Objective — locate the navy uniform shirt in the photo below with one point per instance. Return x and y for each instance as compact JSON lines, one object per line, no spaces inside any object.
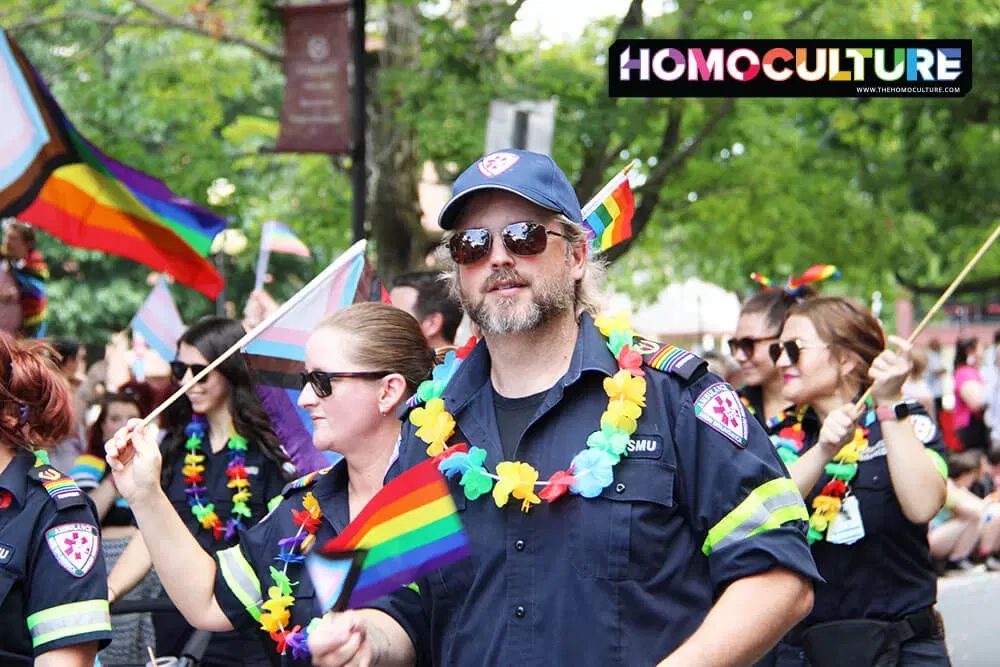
{"x":243,"y":574}
{"x":53,"y":583}
{"x":888,"y":573}
{"x":753,"y":399}
{"x":621,"y":579}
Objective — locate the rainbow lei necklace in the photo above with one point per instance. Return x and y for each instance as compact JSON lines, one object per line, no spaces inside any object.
{"x":278,"y":606}
{"x":842,"y":469}
{"x":194,"y":478}
{"x":590,"y":471}
{"x":790,"y":438}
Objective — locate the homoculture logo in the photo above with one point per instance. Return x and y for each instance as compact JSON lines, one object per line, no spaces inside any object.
{"x":790,"y":68}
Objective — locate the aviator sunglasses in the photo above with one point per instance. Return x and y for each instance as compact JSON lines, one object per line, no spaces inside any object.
{"x":793,"y":348}
{"x":520,"y":238}
{"x":321,"y":380}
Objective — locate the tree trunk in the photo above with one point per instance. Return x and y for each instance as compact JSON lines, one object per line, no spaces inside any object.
{"x":394,"y":211}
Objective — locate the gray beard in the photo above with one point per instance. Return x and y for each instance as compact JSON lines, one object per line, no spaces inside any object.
{"x":553,"y":297}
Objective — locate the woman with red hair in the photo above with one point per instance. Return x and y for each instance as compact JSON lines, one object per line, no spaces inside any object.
{"x":53,"y":586}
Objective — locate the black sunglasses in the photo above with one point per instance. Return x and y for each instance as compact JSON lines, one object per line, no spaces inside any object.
{"x":179,"y":368}
{"x":747,"y":345}
{"x":520,"y":238}
{"x":320,"y":380}
{"x":793,"y":348}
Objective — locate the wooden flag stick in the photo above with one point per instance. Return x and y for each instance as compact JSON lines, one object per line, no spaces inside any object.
{"x":944,"y":297}
{"x":259,"y":329}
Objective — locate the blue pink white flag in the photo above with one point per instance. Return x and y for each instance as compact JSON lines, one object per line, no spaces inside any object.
{"x":277,"y":355}
{"x":159,"y":322}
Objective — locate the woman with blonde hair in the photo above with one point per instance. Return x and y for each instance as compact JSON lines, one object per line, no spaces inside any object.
{"x":874,"y":478}
{"x":363,"y":363}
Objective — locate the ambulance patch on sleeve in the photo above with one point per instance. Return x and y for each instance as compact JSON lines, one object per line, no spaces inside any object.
{"x":75,"y":547}
{"x":720,"y":408}
{"x":924,"y":428}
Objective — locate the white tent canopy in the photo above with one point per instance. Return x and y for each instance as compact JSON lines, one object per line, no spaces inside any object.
{"x":691,"y":308}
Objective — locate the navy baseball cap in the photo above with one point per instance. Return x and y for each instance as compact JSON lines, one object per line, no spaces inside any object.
{"x":534,"y":176}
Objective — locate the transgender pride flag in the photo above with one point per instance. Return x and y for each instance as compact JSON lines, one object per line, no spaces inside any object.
{"x":159,"y":322}
{"x":277,"y":355}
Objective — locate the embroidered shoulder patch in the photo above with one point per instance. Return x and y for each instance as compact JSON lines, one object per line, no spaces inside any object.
{"x":720,"y":408}
{"x":924,"y":428}
{"x":75,"y":547}
{"x":670,"y":359}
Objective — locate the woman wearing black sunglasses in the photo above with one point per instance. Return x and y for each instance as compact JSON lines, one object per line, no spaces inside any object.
{"x":362,"y":362}
{"x":873,"y":478}
{"x":221,"y":464}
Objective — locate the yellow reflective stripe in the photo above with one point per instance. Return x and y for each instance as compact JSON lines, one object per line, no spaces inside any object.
{"x":69,"y":620}
{"x":241,"y":579}
{"x":939,"y":462}
{"x":769,"y":506}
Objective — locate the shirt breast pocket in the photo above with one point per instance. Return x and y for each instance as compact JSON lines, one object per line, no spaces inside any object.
{"x":622,"y":534}
{"x":452,"y":582}
{"x":7,"y":580}
{"x":876,"y":497}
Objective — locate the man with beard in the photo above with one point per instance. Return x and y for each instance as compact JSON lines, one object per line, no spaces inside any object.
{"x":649,"y":517}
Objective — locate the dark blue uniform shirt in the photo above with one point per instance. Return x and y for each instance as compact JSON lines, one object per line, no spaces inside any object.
{"x":266,"y":481}
{"x":243,"y":574}
{"x":621,"y":579}
{"x":53,"y":584}
{"x":888,"y":573}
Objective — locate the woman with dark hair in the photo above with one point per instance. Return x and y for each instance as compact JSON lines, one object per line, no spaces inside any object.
{"x":53,"y":590}
{"x":874,"y":478}
{"x":221,"y":465}
{"x":970,"y":397}
{"x":134,"y":400}
{"x":760,"y":323}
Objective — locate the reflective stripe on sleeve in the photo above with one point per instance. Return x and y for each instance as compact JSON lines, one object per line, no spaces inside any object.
{"x":939,"y":462}
{"x":769,"y":506}
{"x":241,"y":579}
{"x":69,"y":620}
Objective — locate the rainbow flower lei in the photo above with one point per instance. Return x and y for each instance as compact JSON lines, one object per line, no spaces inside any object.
{"x":790,"y":438}
{"x":590,"y":471}
{"x":842,"y":470}
{"x":193,"y":472}
{"x":277,"y":613}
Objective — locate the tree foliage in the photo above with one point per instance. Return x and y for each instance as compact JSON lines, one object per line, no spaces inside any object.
{"x":886,"y":189}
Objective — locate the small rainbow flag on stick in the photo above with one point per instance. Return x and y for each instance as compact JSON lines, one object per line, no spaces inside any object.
{"x":277,"y":237}
{"x":608,"y":216}
{"x":409,"y":529}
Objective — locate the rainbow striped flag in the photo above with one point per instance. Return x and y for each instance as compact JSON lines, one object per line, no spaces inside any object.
{"x":608,"y":216}
{"x":278,"y":354}
{"x":277,"y":237}
{"x":53,"y":178}
{"x":409,"y":529}
{"x":159,"y":322}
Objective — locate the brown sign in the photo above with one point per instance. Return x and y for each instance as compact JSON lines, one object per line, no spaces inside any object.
{"x":315,"y":117}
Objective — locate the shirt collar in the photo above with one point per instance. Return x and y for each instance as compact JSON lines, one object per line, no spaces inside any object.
{"x":15,"y":477}
{"x":591,"y":353}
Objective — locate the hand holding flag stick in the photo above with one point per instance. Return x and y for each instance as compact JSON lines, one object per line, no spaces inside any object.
{"x":944,"y":297}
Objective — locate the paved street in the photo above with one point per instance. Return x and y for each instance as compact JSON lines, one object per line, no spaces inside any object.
{"x":971,"y":609}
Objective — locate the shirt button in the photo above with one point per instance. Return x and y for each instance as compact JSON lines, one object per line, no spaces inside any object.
{"x":619,"y":487}
{"x":519,"y":611}
{"x":875,"y":478}
{"x":519,"y":545}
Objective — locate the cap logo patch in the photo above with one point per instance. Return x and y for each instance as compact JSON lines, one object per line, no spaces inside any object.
{"x":495,"y":164}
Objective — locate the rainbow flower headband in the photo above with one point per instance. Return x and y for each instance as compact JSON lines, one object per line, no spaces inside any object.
{"x":589,"y":472}
{"x":814,"y":274}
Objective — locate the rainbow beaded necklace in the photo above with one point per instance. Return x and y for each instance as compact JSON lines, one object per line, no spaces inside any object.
{"x":194,"y":478}
{"x":589,"y":472}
